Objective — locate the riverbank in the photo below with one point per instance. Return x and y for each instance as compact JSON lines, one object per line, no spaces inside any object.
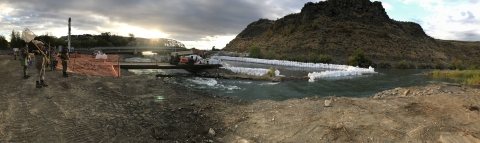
{"x":141,"y":108}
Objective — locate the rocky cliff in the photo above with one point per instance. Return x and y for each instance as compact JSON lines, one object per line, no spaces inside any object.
{"x":339,"y":27}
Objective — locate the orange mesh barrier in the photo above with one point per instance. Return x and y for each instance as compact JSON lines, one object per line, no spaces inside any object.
{"x":87,"y":64}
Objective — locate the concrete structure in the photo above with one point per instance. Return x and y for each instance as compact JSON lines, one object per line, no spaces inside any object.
{"x":136,"y":50}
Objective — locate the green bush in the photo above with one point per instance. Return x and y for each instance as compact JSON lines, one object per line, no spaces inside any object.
{"x":300,"y":58}
{"x":402,"y":64}
{"x":473,"y":67}
{"x":283,"y":57}
{"x":439,"y":66}
{"x":271,"y":72}
{"x":270,"y":55}
{"x":358,"y":59}
{"x":313,"y":58}
{"x":456,"y":64}
{"x":424,"y":66}
{"x":255,"y":52}
{"x":324,"y":59}
{"x":384,"y":64}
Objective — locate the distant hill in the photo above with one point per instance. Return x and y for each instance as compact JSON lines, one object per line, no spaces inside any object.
{"x":339,"y":27}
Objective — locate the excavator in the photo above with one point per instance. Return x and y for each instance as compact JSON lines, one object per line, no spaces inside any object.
{"x":182,"y":57}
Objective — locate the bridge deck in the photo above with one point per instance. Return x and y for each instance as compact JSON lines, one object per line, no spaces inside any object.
{"x":127,"y":65}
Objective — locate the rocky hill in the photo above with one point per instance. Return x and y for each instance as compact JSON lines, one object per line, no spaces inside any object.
{"x":339,"y":27}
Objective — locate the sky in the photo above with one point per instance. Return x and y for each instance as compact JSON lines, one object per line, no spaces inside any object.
{"x":206,"y":23}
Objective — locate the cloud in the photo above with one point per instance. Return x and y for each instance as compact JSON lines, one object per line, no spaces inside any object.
{"x":451,"y":19}
{"x":387,"y":6}
{"x":183,"y":20}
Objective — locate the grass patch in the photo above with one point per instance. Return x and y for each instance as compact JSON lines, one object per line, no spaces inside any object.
{"x":472,"y":76}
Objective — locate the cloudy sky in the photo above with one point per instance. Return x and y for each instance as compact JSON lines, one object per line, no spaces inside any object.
{"x":206,"y":23}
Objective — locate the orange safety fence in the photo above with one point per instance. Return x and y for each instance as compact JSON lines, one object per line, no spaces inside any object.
{"x":87,"y":64}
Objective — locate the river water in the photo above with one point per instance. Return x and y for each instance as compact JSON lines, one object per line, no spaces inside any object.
{"x":350,"y":86}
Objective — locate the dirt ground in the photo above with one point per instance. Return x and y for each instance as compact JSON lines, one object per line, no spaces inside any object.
{"x":84,"y":108}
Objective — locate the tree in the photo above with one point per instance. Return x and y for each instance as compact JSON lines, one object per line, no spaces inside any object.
{"x":16,"y":41}
{"x":213,"y":48}
{"x":105,"y":36}
{"x":131,"y":37}
{"x":358,"y":59}
{"x":4,"y":43}
{"x":255,"y":52}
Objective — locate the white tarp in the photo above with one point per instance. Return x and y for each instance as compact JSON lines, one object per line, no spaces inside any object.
{"x":101,"y":56}
{"x":349,"y":72}
{"x":338,"y":70}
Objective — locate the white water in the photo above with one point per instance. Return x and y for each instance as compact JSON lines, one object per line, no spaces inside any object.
{"x":211,"y":83}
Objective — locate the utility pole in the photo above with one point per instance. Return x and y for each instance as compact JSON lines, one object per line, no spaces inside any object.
{"x":69,"y":29}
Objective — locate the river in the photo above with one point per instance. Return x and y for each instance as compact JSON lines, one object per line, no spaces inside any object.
{"x":350,"y":86}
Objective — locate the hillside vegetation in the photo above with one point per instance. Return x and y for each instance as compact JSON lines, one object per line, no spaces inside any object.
{"x":338,"y":28}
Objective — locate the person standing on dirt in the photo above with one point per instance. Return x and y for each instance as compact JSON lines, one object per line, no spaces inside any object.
{"x":25,"y":58}
{"x":53,"y":58}
{"x":40,"y":61}
{"x":65,"y":58}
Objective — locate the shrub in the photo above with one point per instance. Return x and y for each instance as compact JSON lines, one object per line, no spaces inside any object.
{"x":384,"y":64}
{"x":456,"y":64}
{"x":313,"y":58}
{"x":271,"y":72}
{"x":324,"y":59}
{"x":300,"y":58}
{"x":424,"y":66}
{"x":255,"y":52}
{"x":473,"y":67}
{"x":402,"y":64}
{"x":439,"y":66}
{"x":359,"y":59}
{"x":270,"y":55}
{"x":283,"y":57}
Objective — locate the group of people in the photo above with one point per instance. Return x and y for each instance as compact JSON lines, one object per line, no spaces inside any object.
{"x":42,"y":59}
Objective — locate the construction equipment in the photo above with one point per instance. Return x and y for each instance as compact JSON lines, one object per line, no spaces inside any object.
{"x":182,"y":56}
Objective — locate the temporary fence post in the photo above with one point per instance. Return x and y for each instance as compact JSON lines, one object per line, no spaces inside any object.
{"x":73,"y":68}
{"x":118,"y":62}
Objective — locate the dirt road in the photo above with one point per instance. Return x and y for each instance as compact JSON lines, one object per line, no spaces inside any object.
{"x":85,"y":108}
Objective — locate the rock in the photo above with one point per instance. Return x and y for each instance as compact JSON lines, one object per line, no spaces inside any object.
{"x":211,"y":132}
{"x":100,"y":88}
{"x":406,"y":92}
{"x":328,"y":103}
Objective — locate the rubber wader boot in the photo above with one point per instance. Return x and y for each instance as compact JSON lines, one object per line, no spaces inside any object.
{"x":25,"y":76}
{"x":65,"y":74}
{"x":38,"y":84}
{"x":43,"y":83}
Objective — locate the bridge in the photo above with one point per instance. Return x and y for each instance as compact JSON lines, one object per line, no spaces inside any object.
{"x":135,"y":50}
{"x":160,"y":46}
{"x":152,"y":65}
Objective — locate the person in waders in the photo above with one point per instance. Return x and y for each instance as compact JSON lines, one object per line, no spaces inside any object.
{"x":65,"y":58}
{"x":25,"y":58}
{"x":40,"y":61}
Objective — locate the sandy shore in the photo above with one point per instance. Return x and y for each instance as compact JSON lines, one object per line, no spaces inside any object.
{"x":84,"y":108}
